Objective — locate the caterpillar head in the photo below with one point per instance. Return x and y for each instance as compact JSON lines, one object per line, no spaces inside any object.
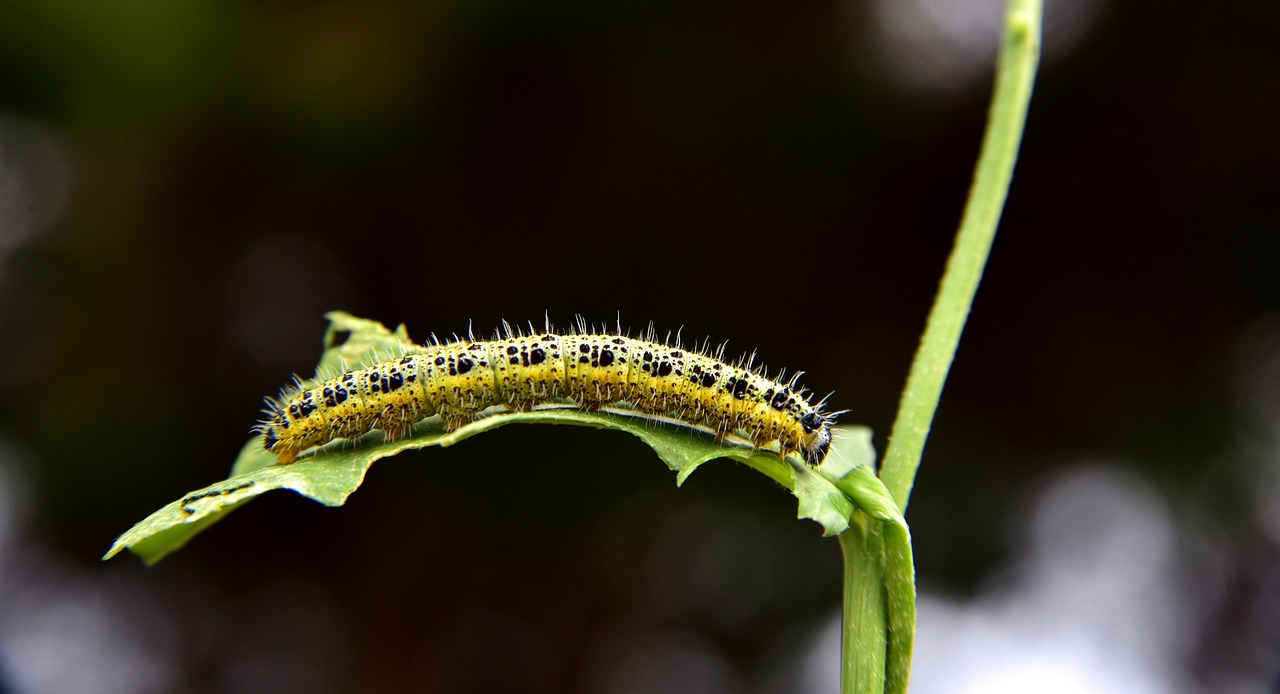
{"x":816,"y":441}
{"x":285,"y":452}
{"x":269,"y":437}
{"x":272,"y":423}
{"x":274,"y":427}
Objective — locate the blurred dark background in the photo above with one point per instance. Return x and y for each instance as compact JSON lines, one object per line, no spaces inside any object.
{"x":185,"y":189}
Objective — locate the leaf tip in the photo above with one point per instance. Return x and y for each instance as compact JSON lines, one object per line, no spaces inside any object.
{"x":683,"y":474}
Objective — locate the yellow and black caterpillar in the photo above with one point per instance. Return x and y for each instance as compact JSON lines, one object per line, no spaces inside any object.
{"x":460,"y":379}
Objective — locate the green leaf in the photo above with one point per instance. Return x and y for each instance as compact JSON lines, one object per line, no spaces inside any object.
{"x":333,"y":472}
{"x":366,"y":343}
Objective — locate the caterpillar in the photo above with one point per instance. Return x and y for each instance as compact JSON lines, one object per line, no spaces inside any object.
{"x":457,"y":380}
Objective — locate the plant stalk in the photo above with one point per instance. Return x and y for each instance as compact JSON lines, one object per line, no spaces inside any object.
{"x":864,"y":639}
{"x":871,"y":603}
{"x":1015,"y":75}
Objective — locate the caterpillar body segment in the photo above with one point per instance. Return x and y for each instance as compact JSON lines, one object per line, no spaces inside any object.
{"x":458,"y":380}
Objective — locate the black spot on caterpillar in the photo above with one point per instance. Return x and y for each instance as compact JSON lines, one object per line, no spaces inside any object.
{"x":460,"y":379}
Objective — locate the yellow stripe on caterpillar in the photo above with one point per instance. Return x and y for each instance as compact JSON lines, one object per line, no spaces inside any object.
{"x":458,"y":380}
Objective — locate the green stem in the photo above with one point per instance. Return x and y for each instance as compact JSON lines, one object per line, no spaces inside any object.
{"x":879,"y":578}
{"x":877,"y":554}
{"x":1015,"y":73}
{"x":864,"y":638}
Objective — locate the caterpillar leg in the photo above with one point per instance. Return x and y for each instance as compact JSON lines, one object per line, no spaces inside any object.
{"x":784,"y":450}
{"x":722,"y":430}
{"x":397,"y":432}
{"x":456,"y":420}
{"x":396,"y":421}
{"x":284,"y":453}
